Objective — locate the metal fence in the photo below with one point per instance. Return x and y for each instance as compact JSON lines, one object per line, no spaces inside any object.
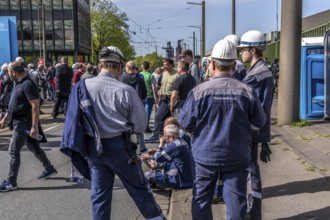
{"x":273,"y":49}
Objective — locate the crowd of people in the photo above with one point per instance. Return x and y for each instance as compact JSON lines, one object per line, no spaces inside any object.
{"x":208,"y":125}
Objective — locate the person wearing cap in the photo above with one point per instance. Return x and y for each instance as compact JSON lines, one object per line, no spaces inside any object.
{"x":63,"y":76}
{"x":74,"y":67}
{"x":252,"y":45}
{"x":109,"y":110}
{"x":193,"y":68}
{"x":21,"y":60}
{"x":31,"y":69}
{"x":228,"y":109}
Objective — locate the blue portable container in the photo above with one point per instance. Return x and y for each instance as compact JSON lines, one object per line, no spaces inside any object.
{"x":312,"y":79}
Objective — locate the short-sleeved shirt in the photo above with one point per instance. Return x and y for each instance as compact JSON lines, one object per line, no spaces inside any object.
{"x":76,"y":77}
{"x":19,"y":105}
{"x":183,"y":85}
{"x":167,"y":82}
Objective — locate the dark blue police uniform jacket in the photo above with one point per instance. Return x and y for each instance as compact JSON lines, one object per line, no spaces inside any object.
{"x":220,"y":113}
{"x":261,"y":79}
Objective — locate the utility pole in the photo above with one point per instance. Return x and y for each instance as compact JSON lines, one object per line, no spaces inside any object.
{"x":233,"y":17}
{"x":276,"y":38}
{"x":203,"y":30}
{"x":194,"y":46}
{"x":202,"y":46}
{"x":289,"y":82}
{"x":44,"y":34}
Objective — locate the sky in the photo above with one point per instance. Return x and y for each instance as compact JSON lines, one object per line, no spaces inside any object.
{"x":155,"y":22}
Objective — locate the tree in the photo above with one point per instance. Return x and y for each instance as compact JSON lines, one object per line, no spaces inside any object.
{"x":109,"y":27}
{"x":153,"y":58}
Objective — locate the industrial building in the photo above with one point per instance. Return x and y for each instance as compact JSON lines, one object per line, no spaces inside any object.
{"x":58,"y":27}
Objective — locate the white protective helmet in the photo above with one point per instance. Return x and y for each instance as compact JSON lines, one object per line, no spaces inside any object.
{"x":253,"y":39}
{"x":233,"y":38}
{"x":30,"y":66}
{"x":4,"y":67}
{"x":111,"y":53}
{"x":224,"y":53}
{"x":19,"y":59}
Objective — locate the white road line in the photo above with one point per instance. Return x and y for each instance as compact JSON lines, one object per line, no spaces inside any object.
{"x":50,"y":128}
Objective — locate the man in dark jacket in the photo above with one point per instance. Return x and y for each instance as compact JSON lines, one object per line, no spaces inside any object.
{"x":134,"y":79}
{"x":63,"y":77}
{"x":227,"y":108}
{"x":252,"y":45}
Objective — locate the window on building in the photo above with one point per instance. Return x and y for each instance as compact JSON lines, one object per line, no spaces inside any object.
{"x":68,"y":24}
{"x":14,"y":5}
{"x":4,"y":5}
{"x":67,"y":4}
{"x":58,"y":25}
{"x":27,"y":30}
{"x":25,"y":4}
{"x":27,"y":44}
{"x":57,"y":4}
{"x":36,"y":4}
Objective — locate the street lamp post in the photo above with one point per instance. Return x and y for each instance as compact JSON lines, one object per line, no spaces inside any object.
{"x":194,"y":45}
{"x":200,"y":37}
{"x":203,"y":26}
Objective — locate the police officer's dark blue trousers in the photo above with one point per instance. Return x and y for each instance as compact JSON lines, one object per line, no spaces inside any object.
{"x":103,"y":170}
{"x":234,"y":192}
{"x":255,"y":211}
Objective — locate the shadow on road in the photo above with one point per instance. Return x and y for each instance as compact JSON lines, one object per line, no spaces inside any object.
{"x":323,"y":213}
{"x":293,"y":188}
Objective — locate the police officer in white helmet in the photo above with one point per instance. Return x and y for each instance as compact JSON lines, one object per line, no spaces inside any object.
{"x":239,"y":71}
{"x":252,"y":45}
{"x":228,"y":108}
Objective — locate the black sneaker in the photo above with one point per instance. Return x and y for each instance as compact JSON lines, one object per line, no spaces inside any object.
{"x":48,"y":173}
{"x":152,"y":139}
{"x":7,"y":186}
{"x":148,"y":130}
{"x":218,"y":200}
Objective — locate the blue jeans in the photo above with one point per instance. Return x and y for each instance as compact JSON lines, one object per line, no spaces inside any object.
{"x":234,"y":192}
{"x":103,"y":170}
{"x":148,"y":104}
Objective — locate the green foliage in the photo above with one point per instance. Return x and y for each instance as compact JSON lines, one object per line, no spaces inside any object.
{"x":300,"y":123}
{"x":153,"y":58}
{"x":109,"y":28}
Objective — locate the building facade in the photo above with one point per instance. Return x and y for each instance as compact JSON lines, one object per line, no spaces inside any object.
{"x":64,"y":24}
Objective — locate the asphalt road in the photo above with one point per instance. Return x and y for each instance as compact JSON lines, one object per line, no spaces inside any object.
{"x":53,"y":198}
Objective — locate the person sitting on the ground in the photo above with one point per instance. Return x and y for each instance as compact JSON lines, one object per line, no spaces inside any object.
{"x":183,"y":134}
{"x":174,"y":158}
